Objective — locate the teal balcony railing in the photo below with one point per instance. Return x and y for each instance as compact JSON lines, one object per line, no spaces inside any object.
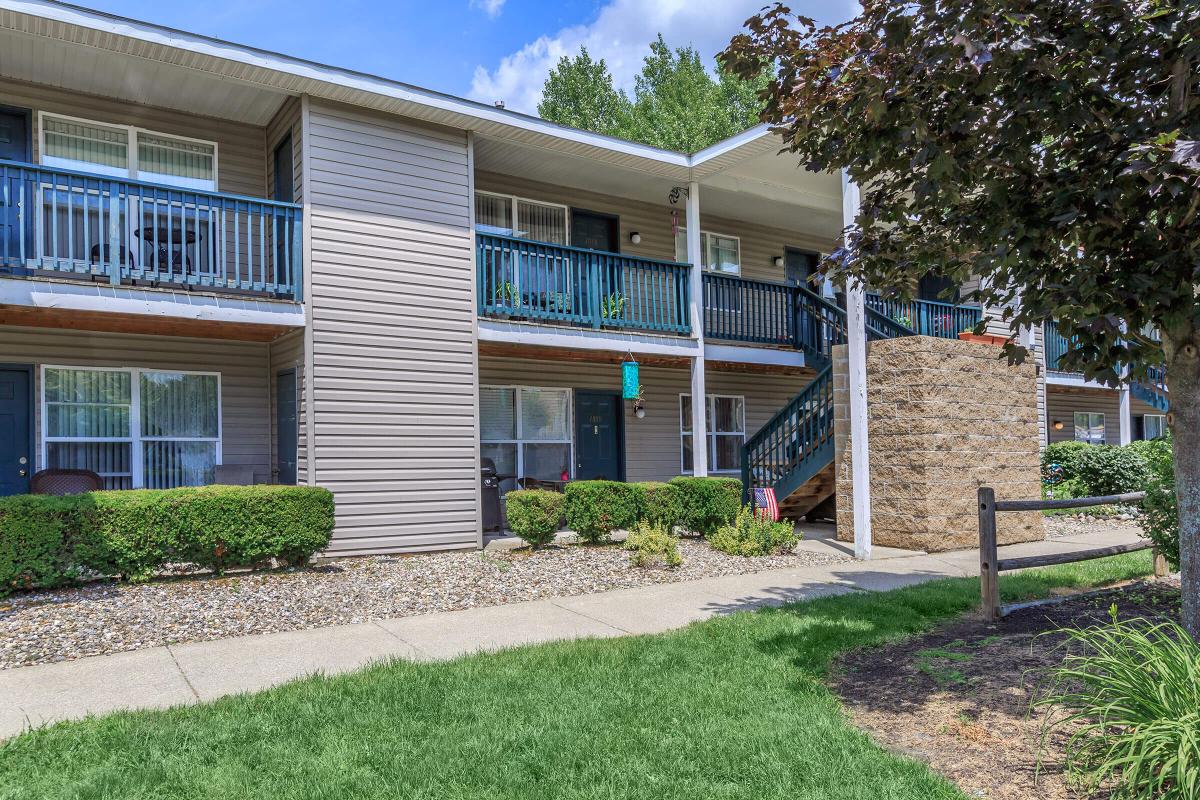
{"x":523,"y":279}
{"x":927,"y":317}
{"x":1055,"y":344}
{"x":740,"y":310}
{"x":74,"y":224}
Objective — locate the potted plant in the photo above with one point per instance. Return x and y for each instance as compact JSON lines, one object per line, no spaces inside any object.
{"x":507,"y":297}
{"x":969,"y":335}
{"x":612,"y":307}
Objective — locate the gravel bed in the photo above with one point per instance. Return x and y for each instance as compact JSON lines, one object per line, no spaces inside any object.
{"x":1059,"y":526}
{"x":49,"y":626}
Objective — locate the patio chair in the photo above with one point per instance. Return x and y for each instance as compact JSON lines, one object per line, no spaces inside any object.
{"x":65,"y":481}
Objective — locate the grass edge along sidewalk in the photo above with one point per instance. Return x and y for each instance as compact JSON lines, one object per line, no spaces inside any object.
{"x":731,"y":707}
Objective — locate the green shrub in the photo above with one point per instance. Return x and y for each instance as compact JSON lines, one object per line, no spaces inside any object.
{"x":594,"y":509}
{"x":754,"y":535}
{"x":534,"y":514}
{"x":1131,"y":691}
{"x":38,"y":539}
{"x":660,"y":504}
{"x":1066,"y":455}
{"x":652,"y":544}
{"x":51,"y":541}
{"x":708,"y":503}
{"x":1160,"y":517}
{"x":1107,"y":469}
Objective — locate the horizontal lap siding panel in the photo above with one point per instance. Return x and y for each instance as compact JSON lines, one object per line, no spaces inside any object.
{"x":1061,"y":406}
{"x":392,"y":315}
{"x":652,"y":444}
{"x":244,"y":367}
{"x":241,"y":157}
{"x":760,"y":244}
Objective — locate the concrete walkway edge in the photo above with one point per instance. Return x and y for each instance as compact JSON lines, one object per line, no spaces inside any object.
{"x":181,"y":674}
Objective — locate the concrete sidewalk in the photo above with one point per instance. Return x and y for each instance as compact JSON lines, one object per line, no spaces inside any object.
{"x":188,"y":673}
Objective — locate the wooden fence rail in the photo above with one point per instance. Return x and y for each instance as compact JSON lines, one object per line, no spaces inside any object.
{"x":990,"y":563}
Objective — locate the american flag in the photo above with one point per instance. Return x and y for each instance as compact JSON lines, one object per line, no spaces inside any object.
{"x":765,"y":505}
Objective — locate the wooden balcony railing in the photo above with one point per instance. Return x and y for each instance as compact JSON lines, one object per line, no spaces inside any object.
{"x":523,"y":279}
{"x":927,"y":317}
{"x":75,"y":224}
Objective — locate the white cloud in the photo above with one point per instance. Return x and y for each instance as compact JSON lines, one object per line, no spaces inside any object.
{"x":490,"y":7}
{"x":620,"y":35}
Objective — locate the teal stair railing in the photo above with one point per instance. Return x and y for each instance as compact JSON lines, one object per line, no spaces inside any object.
{"x":795,"y":444}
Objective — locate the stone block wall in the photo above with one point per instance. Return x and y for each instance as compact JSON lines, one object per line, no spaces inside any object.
{"x":944,"y":418}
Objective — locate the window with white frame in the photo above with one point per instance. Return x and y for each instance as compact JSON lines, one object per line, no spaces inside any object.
{"x":1089,"y":427}
{"x":136,"y":428}
{"x":526,"y":431}
{"x":718,"y":252}
{"x":540,"y":222}
{"x":129,"y":152}
{"x":1154,"y":426}
{"x":725,"y":417}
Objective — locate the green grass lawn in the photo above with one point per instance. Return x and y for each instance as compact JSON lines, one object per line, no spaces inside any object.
{"x":729,"y":708}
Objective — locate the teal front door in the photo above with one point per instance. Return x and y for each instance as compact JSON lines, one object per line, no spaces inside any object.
{"x":16,"y":430}
{"x":599,"y":436}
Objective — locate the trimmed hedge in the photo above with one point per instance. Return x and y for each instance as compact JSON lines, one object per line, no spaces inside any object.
{"x":534,"y":514}
{"x":597,"y":508}
{"x":1110,"y":469}
{"x":50,"y":541}
{"x":708,"y":503}
{"x":660,"y":504}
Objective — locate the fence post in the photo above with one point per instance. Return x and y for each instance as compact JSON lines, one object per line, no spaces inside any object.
{"x":989,"y":575}
{"x":1161,"y":568}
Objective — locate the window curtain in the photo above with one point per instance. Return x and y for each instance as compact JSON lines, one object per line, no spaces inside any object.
{"x":542,"y":223}
{"x":164,"y":159}
{"x":493,"y":214}
{"x":78,"y":145}
{"x":179,"y":429}
{"x":88,"y":423}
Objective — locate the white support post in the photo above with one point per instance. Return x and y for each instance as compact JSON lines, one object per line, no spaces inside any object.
{"x":856,"y":337}
{"x":1126,"y":416}
{"x":699,"y":395}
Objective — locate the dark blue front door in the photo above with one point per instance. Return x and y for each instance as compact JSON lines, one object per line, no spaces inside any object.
{"x":285,"y":427}
{"x":16,"y":241}
{"x":16,"y":446}
{"x":599,"y":436}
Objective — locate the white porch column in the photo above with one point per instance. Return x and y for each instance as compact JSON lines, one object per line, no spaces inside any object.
{"x":856,"y":336}
{"x":699,"y":395}
{"x":1126,"y":416}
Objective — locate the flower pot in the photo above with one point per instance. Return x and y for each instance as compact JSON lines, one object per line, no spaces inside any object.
{"x":984,"y":338}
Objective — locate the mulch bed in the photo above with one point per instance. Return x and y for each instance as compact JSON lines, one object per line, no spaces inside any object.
{"x":958,"y":698}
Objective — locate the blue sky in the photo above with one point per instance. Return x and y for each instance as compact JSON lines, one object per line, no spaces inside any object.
{"x":484,"y":49}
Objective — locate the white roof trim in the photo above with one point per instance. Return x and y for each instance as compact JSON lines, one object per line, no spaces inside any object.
{"x":348,"y":79}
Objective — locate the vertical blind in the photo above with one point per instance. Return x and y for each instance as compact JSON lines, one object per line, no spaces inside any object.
{"x":163,"y":159}
{"x":526,"y":431}
{"x":174,"y":440}
{"x":540,"y":222}
{"x":106,"y":149}
{"x":80,"y":145}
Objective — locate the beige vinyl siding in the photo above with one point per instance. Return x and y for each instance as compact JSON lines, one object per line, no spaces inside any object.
{"x":392,"y":314}
{"x":287,"y":352}
{"x":652,"y":444}
{"x":1061,"y":405}
{"x":245,"y":395}
{"x":285,"y":122}
{"x":759,"y":244}
{"x":241,"y":166}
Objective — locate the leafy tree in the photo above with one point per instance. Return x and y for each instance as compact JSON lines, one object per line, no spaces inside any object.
{"x":677,"y":104}
{"x":1050,"y":146}
{"x":579,"y":92}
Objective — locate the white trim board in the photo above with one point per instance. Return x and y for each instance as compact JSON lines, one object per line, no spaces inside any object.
{"x":162,"y":303}
{"x":750,"y":354}
{"x":585,"y":339}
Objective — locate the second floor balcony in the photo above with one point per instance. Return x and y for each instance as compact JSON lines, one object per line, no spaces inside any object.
{"x":521,"y":279}
{"x":80,"y":226}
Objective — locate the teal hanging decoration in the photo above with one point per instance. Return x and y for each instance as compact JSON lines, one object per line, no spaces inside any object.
{"x":630,"y":386}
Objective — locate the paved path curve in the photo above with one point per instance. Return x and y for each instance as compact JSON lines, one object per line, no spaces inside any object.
{"x":188,"y":673}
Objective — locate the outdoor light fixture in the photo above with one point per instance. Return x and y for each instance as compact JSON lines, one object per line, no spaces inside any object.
{"x":778,"y":261}
{"x":639,"y":409}
{"x":635,"y":238}
{"x":1058,"y":425}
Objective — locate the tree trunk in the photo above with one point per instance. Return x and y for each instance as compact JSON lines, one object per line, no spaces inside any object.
{"x":1183,"y":381}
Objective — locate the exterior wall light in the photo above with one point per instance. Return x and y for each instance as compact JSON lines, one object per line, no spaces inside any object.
{"x":777,"y":261}
{"x":635,"y":238}
{"x":1058,"y":426}
{"x":639,"y":409}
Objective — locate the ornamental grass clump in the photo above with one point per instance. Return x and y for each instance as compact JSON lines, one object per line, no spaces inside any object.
{"x":1131,"y":694}
{"x":652,"y":545}
{"x":754,"y":535}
